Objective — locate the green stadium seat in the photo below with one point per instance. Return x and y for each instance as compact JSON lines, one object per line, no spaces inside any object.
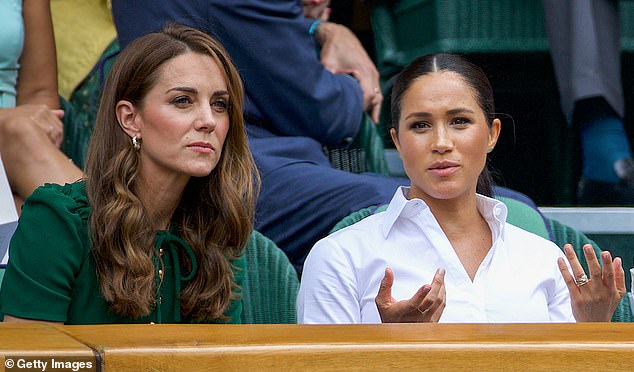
{"x":366,"y":153}
{"x":269,"y":289}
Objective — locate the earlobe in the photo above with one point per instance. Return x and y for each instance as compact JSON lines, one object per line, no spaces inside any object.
{"x":126,"y":116}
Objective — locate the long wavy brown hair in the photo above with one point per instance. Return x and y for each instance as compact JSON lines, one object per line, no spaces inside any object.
{"x":215,"y":214}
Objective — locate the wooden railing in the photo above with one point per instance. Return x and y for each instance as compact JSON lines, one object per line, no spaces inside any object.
{"x":166,"y":347}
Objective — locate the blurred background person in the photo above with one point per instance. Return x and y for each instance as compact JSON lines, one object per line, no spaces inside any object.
{"x":584,"y":38}
{"x":31,"y":128}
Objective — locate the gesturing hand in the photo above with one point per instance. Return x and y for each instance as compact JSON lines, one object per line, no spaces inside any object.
{"x":426,"y":305}
{"x":594,"y":299}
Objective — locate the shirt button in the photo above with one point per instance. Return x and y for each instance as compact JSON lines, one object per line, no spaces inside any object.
{"x":161,"y":274}
{"x":161,"y":251}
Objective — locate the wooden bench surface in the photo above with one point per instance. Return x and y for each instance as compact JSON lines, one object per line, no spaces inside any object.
{"x":588,"y":346}
{"x":37,"y":339}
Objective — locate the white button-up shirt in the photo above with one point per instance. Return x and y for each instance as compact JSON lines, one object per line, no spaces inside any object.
{"x":518,"y":280}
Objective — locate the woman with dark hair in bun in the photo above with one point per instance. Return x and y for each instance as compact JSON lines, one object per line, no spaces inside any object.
{"x":446,"y":230}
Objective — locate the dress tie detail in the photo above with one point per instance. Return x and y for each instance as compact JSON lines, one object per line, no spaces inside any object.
{"x":172,"y":243}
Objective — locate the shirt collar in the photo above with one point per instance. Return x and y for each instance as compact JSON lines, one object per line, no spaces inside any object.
{"x":493,"y":211}
{"x":400,"y":206}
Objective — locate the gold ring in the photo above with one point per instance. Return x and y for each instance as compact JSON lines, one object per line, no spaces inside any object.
{"x":422,"y":312}
{"x":582,"y":280}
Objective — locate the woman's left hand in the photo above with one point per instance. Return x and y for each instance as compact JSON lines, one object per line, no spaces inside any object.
{"x":596,"y":295}
{"x":425,"y":306}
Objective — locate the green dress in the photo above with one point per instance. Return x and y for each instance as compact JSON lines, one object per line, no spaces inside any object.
{"x":51,"y":272}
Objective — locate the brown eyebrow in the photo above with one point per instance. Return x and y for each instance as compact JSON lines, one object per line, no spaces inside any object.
{"x":455,"y":111}
{"x":195,"y":91}
{"x":418,"y":115}
{"x":182,"y":89}
{"x":220,"y":93}
{"x":460,"y":110}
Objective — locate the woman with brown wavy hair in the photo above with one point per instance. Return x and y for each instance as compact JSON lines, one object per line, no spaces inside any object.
{"x":156,"y":230}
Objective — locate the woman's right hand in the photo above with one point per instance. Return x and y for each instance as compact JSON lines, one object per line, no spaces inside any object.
{"x":41,"y":117}
{"x":426,"y":305}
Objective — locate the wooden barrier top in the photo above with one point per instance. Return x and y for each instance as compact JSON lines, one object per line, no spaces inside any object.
{"x":214,"y":335}
{"x":168,"y":347}
{"x":38,"y":339}
{"x":584,"y":346}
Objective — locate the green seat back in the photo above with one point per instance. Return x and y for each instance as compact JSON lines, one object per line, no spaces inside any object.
{"x":366,"y":153}
{"x":523,"y":216}
{"x":269,"y":289}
